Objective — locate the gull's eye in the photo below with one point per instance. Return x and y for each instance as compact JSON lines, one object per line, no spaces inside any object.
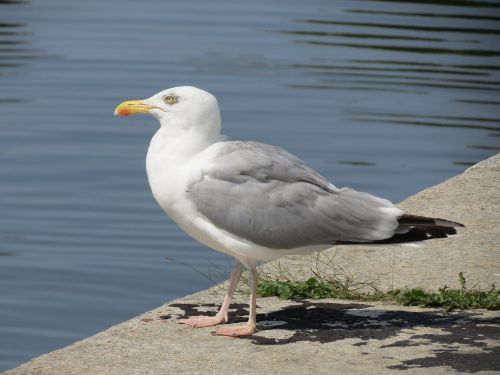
{"x":170,"y":99}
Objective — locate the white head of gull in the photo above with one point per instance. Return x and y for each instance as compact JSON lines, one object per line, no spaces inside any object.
{"x":254,"y":201}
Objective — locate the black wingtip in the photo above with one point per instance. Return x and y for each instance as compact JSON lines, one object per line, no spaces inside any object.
{"x":409,"y":220}
{"x":448,"y":223}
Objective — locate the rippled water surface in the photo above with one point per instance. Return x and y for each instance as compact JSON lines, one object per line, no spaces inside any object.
{"x":384,"y":96}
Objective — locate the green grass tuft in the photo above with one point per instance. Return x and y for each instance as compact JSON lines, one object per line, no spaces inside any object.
{"x":331,"y":281}
{"x":447,"y":298}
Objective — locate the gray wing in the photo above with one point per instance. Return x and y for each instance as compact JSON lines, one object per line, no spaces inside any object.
{"x":263,"y":194}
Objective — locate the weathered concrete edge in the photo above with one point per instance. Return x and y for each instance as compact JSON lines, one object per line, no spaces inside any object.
{"x":479,"y":182}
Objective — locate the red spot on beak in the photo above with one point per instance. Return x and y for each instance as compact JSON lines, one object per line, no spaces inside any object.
{"x":124,"y":112}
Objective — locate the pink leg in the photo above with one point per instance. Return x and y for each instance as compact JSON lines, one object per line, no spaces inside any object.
{"x":249,"y":328}
{"x":221,"y":317}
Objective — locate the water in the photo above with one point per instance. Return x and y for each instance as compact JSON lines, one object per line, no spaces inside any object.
{"x":384,"y":96}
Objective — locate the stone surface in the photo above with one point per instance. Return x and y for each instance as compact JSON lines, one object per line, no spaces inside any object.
{"x":330,"y":336}
{"x":306,"y":337}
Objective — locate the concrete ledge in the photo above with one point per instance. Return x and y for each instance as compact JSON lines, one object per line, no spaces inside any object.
{"x":330,"y":336}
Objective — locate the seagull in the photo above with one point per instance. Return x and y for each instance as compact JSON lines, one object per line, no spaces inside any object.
{"x":254,"y":201}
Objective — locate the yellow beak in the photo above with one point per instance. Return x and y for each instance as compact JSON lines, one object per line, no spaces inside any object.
{"x":131,"y":107}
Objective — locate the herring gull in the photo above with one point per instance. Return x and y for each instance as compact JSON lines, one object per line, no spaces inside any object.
{"x":253,"y":201}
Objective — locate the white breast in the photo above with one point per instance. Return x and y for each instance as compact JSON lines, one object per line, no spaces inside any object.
{"x":169,"y":174}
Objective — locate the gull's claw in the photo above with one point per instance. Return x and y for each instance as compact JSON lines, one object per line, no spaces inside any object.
{"x":202,"y":321}
{"x":238,"y":331}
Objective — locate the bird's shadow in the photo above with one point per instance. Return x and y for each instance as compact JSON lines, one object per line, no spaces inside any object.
{"x":326,"y":322}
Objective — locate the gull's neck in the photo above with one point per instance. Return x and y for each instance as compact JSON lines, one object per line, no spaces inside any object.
{"x":171,"y":149}
{"x":178,"y":141}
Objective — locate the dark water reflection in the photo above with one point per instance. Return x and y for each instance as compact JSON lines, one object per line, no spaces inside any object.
{"x":384,"y":96}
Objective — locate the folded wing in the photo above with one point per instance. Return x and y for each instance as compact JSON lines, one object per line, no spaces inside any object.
{"x":271,"y":198}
